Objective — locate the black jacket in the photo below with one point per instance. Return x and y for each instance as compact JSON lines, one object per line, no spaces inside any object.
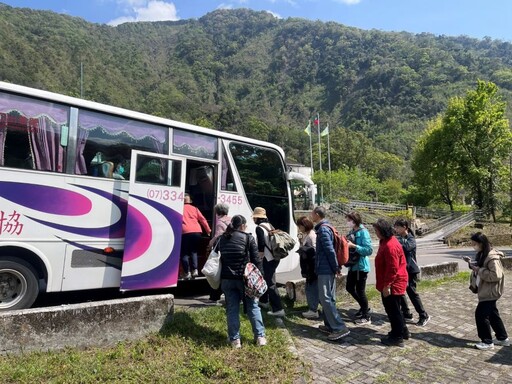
{"x":409,"y":247}
{"x":307,"y":260}
{"x":235,"y":252}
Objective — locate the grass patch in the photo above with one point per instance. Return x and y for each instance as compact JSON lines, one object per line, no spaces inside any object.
{"x":191,"y":349}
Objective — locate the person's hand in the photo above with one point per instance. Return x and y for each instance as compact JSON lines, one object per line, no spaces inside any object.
{"x":475,"y":269}
{"x":351,"y":244}
{"x":386,"y":291}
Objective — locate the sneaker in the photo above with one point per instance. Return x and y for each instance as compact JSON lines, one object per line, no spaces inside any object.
{"x":264,"y":305}
{"x":261,"y":341}
{"x":484,"y":346}
{"x":236,"y":344}
{"x":279,"y":313}
{"x":363,"y":320}
{"x":358,"y":314}
{"x":423,"y":321}
{"x":313,"y":315}
{"x":195,"y":273}
{"x":324,"y":328}
{"x":392,"y":341}
{"x":187,"y":276}
{"x":503,"y":343}
{"x":336,"y":335}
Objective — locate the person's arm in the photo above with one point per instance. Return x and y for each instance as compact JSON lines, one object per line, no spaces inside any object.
{"x":365,"y":248}
{"x":391,"y":266}
{"x":260,"y":235}
{"x":492,"y":272}
{"x":254,"y":255}
{"x":408,"y":243}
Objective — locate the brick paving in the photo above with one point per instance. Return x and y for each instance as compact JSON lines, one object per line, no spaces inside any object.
{"x":441,"y":352}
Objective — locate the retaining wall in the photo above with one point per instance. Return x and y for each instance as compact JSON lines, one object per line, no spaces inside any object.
{"x":87,"y":324}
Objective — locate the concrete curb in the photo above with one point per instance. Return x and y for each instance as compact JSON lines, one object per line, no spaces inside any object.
{"x":81,"y":325}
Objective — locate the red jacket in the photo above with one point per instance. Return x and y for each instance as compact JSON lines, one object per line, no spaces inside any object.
{"x":391,"y":267}
{"x":193,"y":220}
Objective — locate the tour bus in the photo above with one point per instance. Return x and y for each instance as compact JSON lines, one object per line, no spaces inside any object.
{"x":91,"y":195}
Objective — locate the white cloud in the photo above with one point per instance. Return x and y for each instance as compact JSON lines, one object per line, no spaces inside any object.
{"x":276,"y":15}
{"x":143,"y":10}
{"x":348,"y":2}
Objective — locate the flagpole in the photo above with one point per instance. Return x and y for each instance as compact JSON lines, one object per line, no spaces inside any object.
{"x":319,"y":146}
{"x":329,"y":159}
{"x":311,"y":149}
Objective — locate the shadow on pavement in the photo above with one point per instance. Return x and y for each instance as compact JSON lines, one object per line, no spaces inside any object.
{"x":443,"y":340}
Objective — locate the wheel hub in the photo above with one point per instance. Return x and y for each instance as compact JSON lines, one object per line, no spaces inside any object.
{"x":12,"y":287}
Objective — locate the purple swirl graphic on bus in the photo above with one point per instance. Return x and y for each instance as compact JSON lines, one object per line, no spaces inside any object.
{"x":113,"y":231}
{"x":140,"y":230}
{"x":46,"y":199}
{"x":164,"y":275}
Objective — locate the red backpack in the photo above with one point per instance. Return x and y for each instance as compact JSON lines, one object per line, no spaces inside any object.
{"x":340,"y":246}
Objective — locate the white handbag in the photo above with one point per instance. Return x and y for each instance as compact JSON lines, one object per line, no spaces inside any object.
{"x":212,"y":268}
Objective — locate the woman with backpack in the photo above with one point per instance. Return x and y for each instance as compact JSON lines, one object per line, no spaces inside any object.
{"x":360,"y":248}
{"x":271,"y":298}
{"x":489,"y":271}
{"x":236,"y":249}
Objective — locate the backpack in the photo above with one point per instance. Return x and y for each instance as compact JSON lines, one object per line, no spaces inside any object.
{"x":340,"y":246}
{"x":280,"y":242}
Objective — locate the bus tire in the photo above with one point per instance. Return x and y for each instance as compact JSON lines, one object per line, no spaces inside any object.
{"x":19,"y":285}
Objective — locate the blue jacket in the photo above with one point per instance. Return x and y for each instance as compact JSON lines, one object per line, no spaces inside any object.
{"x":364,"y":248}
{"x":326,"y":263}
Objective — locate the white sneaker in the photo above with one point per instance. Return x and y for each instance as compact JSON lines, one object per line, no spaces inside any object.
{"x":236,"y":344}
{"x":504,"y":343}
{"x":187,"y":276}
{"x":261,"y":341}
{"x":277,"y":313}
{"x":195,"y":273}
{"x":313,"y":315}
{"x":484,"y":346}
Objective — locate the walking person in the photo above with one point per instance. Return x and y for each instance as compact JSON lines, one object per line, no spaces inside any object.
{"x":193,"y":225}
{"x":222,"y":221}
{"x":270,"y":299}
{"x":489,"y":271}
{"x":327,"y":268}
{"x":391,"y":281}
{"x":307,"y":265}
{"x":360,"y":248}
{"x":237,"y":248}
{"x":406,"y":238}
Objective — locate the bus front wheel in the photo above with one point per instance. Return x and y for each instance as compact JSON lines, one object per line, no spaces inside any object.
{"x":19,"y":285}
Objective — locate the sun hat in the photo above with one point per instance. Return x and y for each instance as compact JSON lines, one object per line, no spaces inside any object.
{"x":259,"y":213}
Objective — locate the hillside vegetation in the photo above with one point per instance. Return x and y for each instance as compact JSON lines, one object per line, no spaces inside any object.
{"x":249,"y":73}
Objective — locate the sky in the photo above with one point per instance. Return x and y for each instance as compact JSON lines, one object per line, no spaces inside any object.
{"x":474,"y":18}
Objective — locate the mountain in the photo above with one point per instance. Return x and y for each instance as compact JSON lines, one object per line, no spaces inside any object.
{"x":249,"y":73}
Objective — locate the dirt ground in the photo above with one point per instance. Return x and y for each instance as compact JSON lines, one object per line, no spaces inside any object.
{"x":500,"y":234}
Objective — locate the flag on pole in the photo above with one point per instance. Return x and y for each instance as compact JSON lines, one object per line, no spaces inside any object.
{"x":325,"y":131}
{"x":308,"y":128}
{"x":317,"y":121}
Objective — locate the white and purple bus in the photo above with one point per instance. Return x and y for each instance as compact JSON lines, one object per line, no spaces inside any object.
{"x":91,"y":196}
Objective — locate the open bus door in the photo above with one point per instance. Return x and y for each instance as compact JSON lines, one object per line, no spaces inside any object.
{"x":154,"y":219}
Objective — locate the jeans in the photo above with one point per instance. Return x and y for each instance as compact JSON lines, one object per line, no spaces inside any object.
{"x":356,"y":286}
{"x":487,"y":316}
{"x":395,"y":316}
{"x":234,"y":293}
{"x":312,"y":295}
{"x":272,"y":296}
{"x":190,"y":241}
{"x":327,"y":297}
{"x":414,"y":297}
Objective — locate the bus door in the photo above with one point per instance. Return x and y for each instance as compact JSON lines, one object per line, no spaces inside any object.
{"x":154,"y":218}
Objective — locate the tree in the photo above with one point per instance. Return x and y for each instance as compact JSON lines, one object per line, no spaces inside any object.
{"x":482,"y":141}
{"x":435,"y":172}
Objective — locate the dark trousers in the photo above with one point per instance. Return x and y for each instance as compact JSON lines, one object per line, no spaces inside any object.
{"x":272,"y":296}
{"x":356,"y":286}
{"x":189,"y":246}
{"x":487,"y":316}
{"x":395,"y":316}
{"x":414,"y":297}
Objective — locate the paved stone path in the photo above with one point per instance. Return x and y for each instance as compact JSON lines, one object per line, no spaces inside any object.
{"x":441,"y":352}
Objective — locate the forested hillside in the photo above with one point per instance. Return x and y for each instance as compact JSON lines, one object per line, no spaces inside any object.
{"x":247,"y":72}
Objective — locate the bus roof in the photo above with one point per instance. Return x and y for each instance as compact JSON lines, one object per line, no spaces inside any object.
{"x":81,"y":103}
